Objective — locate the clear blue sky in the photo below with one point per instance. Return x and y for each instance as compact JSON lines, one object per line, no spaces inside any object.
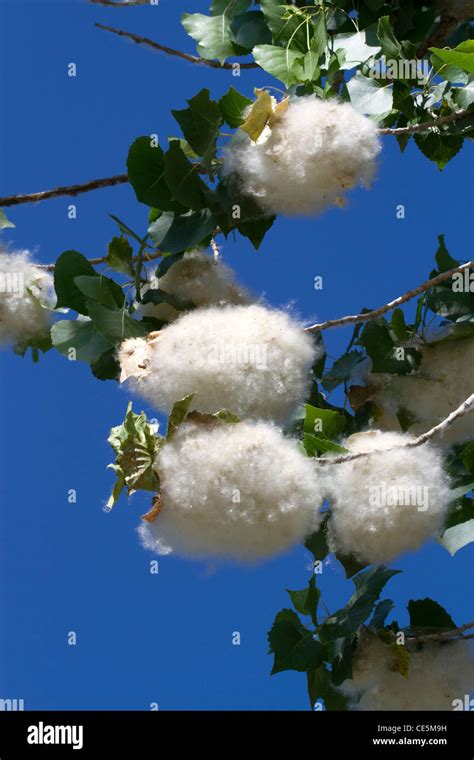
{"x":164,"y":638}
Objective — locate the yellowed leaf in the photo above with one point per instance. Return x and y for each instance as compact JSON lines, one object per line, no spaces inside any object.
{"x":259,"y":115}
{"x":278,"y":111}
{"x":154,"y":511}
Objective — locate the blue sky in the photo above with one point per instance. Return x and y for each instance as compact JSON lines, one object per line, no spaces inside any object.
{"x":165,"y":638}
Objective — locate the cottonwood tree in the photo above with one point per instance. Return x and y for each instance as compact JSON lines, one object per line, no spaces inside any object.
{"x":255,"y":457}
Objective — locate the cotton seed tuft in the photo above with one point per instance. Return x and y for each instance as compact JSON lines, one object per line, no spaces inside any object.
{"x":239,"y":491}
{"x":250,"y":359}
{"x":23,"y":286}
{"x":302,"y":164}
{"x":386,"y":503}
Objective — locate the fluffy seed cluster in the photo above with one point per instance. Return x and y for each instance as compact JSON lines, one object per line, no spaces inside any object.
{"x":241,"y":491}
{"x":443,"y":381}
{"x":197,"y":279}
{"x":438,"y":675}
{"x":250,"y":359}
{"x":23,"y":286}
{"x":387,"y":503}
{"x":312,"y":154}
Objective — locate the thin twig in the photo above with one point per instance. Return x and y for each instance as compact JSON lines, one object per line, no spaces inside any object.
{"x":103,"y":260}
{"x":356,"y":318}
{"x":445,"y":25}
{"x":95,"y":184}
{"x":119,"y":179}
{"x":171,"y":51}
{"x":454,"y":633}
{"x":463,"y":409}
{"x":427,"y":124}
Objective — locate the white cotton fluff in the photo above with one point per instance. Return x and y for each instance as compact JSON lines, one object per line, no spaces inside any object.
{"x":199,"y":279}
{"x":314,"y":152}
{"x":22,"y":286}
{"x":252,"y":360}
{"x":443,"y":381}
{"x":388,"y":503}
{"x":438,"y":676}
{"x":241,"y":491}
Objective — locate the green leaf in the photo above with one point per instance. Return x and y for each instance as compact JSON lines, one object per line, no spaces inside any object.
{"x":381,"y":612}
{"x":467,"y":456}
{"x":340,"y":656}
{"x":317,"y":543}
{"x":320,"y":445}
{"x":125,"y":230}
{"x":183,"y":180}
{"x":398,"y":325}
{"x":229,"y":7}
{"x":379,"y":345}
{"x":341,"y":370}
{"x":351,"y":565}
{"x":178,"y":414}
{"x":250,"y":29}
{"x":157,"y":296}
{"x":428,"y":615}
{"x":306,"y":601}
{"x":306,"y":69}
{"x":146,"y":172}
{"x":458,"y":536}
{"x":368,"y":96}
{"x":106,"y":367}
{"x":287,"y":27}
{"x":135,"y":446}
{"x":323,"y":421}
{"x":175,"y":234}
{"x":101,"y":289}
{"x":4,"y":221}
{"x":391,"y":47}
{"x":120,"y":256}
{"x":320,"y":687}
{"x":200,"y":124}
{"x":279,"y":62}
{"x":167,"y":262}
{"x":70,"y":265}
{"x":346,"y":622}
{"x":461,"y":56}
{"x":80,"y":335}
{"x":293,"y":645}
{"x":115,"y":325}
{"x":356,"y":48}
{"x":232,"y":106}
{"x":444,"y":259}
{"x":213,"y":35}
{"x":439,"y":147}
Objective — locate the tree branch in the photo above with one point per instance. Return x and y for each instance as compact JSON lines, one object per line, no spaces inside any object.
{"x":103,"y":260}
{"x":119,"y":179}
{"x":171,"y":51}
{"x":463,"y":409}
{"x":425,"y":126}
{"x":445,"y":25}
{"x":445,"y":635}
{"x":356,"y":318}
{"x":95,"y":184}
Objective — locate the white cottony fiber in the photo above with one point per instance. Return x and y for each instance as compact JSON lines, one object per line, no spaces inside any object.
{"x":250,"y":359}
{"x":240,"y":491}
{"x":444,"y":379}
{"x":314,"y":152}
{"x":22,"y":286}
{"x":440,"y":676}
{"x":386,"y":503}
{"x":198,"y":279}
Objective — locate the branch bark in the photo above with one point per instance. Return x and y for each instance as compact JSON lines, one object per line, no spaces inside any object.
{"x":103,"y":260}
{"x":72,"y":190}
{"x":97,"y":184}
{"x":356,"y":318}
{"x":445,"y":635}
{"x":139,"y":40}
{"x":445,"y":25}
{"x":463,"y":409}
{"x":424,"y":126}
